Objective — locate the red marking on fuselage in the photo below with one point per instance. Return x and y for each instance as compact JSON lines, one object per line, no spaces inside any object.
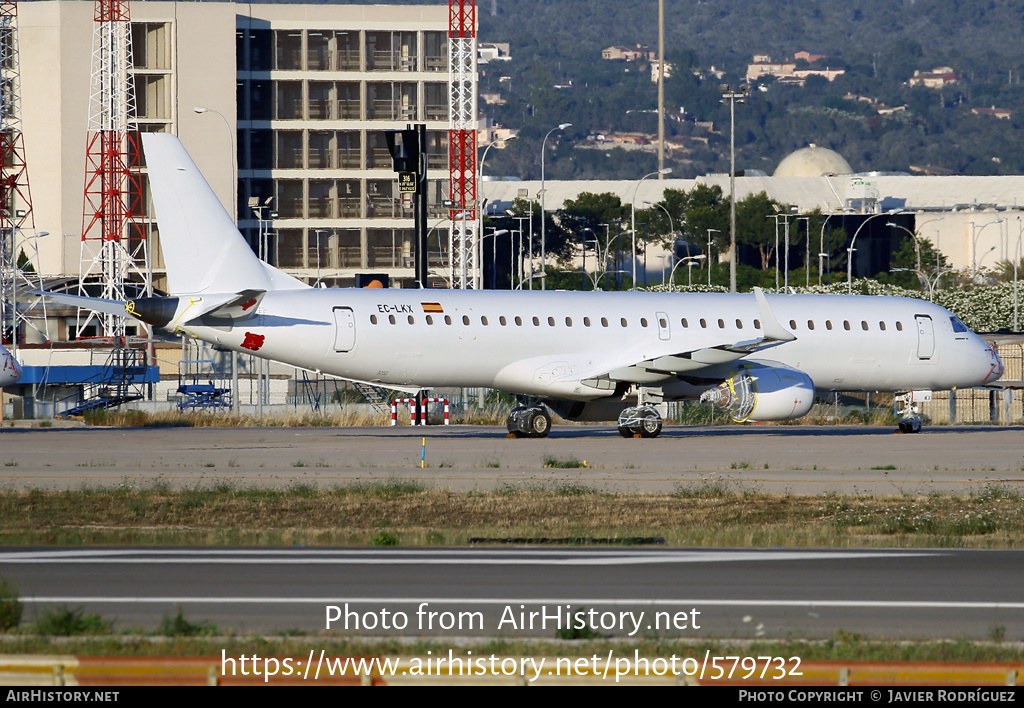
{"x":253,"y":341}
{"x":248,"y":303}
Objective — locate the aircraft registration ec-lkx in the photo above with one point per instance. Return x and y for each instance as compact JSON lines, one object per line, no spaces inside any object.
{"x":584,"y":355}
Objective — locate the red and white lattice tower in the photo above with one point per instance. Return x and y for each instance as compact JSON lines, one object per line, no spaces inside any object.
{"x":15,"y":199}
{"x":113,"y":243}
{"x":462,"y":126}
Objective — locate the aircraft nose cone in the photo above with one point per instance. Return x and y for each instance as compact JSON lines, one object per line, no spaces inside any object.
{"x":995,"y":366}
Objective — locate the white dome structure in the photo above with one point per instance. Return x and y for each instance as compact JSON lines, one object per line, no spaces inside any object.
{"x":813,"y":161}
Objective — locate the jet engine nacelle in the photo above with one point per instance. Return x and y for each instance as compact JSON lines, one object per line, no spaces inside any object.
{"x":763,"y":392}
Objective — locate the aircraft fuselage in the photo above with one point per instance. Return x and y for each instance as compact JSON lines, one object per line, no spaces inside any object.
{"x":549,"y":344}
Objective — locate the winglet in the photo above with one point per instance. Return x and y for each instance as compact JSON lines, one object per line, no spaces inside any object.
{"x":773,"y":329}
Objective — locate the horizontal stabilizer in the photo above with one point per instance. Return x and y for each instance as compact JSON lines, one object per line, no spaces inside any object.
{"x":96,"y":304}
{"x":239,"y":307}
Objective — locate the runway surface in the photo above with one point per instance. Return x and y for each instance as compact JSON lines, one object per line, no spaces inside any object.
{"x":778,"y":459}
{"x":452,"y":593}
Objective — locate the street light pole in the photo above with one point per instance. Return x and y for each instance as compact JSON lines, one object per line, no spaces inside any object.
{"x":732,"y":96}
{"x":234,"y":159}
{"x":917,"y":248}
{"x":974,"y":243}
{"x":543,"y":241}
{"x":851,"y":249}
{"x":663,"y":171}
{"x":1016,"y":263}
{"x":690,"y":261}
{"x":717,"y":231}
{"x":483,"y":202}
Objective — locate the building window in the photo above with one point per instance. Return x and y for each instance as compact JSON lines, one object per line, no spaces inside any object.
{"x":318,"y":50}
{"x":322,"y":197}
{"x":391,"y":51}
{"x":289,"y":248}
{"x":348,"y":51}
{"x":350,"y":248}
{"x":322,"y":153}
{"x":288,"y":100}
{"x":150,"y":48}
{"x":435,"y":51}
{"x":152,"y":96}
{"x":288,"y":50}
{"x":391,"y":100}
{"x":288,"y":151}
{"x":321,"y":100}
{"x":261,"y":52}
{"x":289,"y":199}
{"x":318,"y":249}
{"x":350,"y":198}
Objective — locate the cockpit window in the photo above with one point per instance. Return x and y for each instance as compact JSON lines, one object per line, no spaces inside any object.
{"x":958,"y":326}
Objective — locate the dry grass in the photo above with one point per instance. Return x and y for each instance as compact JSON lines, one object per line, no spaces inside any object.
{"x":704,"y":515}
{"x":843,"y":646}
{"x":174,"y":419}
{"x":346,"y":418}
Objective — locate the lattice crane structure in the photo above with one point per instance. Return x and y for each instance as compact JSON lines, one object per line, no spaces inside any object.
{"x":113,"y":241}
{"x":16,"y":219}
{"x":462,"y":127}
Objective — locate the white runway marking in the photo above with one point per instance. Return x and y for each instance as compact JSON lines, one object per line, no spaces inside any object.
{"x":494,"y":557}
{"x":695,"y":602}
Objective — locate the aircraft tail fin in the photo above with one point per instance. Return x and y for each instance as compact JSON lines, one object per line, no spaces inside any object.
{"x":203,"y":250}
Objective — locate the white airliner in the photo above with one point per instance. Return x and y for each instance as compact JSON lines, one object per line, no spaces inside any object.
{"x":10,"y":370}
{"x":584,"y":355}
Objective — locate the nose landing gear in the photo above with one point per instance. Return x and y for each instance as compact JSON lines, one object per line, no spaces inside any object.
{"x":907,"y":410}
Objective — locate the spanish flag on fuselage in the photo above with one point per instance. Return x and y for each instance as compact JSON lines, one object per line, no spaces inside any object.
{"x":432,"y":307}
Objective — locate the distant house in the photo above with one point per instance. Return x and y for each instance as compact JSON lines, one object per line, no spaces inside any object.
{"x":810,"y":57}
{"x":493,"y":51}
{"x":629,"y":53}
{"x":764,"y":66}
{"x":491,"y":132}
{"x":936,"y":78}
{"x":785,"y":71}
{"x":654,"y":70}
{"x":878,"y":106}
{"x":1001,"y":113}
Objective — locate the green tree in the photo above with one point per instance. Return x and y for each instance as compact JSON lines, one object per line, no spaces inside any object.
{"x":753,"y":227}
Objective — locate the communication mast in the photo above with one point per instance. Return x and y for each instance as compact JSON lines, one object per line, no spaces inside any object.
{"x":15,"y":198}
{"x":113,"y":243}
{"x":462,"y":124}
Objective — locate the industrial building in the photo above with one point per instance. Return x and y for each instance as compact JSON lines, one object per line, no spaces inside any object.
{"x":281,"y":106}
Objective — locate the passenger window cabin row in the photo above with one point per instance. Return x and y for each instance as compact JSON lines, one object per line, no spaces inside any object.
{"x":623,"y":322}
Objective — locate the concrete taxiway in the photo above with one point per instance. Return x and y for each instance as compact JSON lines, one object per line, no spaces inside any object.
{"x":778,"y":459}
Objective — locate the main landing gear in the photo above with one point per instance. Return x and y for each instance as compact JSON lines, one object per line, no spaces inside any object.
{"x":644,"y":421}
{"x":529,"y":421}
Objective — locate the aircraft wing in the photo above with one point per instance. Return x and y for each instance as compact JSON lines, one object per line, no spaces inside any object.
{"x":662,"y":367}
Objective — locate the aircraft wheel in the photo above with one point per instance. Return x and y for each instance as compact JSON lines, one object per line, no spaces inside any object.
{"x":650,"y":426}
{"x":540,"y":423}
{"x":625,"y":431}
{"x":910,"y":424}
{"x":516,"y":420}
